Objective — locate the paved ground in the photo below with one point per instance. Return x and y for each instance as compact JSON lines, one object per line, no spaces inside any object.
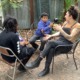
{"x":64,"y":69}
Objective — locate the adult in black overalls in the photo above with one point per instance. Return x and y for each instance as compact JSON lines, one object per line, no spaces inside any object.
{"x":68,"y":34}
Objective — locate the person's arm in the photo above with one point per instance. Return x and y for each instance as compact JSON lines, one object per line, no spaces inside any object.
{"x":52,"y":36}
{"x":23,"y":43}
{"x":55,"y":34}
{"x":71,"y":36}
{"x":16,"y":44}
{"x":41,"y":27}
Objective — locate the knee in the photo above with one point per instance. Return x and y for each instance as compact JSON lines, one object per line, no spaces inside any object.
{"x":43,"y":42}
{"x":49,"y":43}
{"x":31,"y":51}
{"x":31,"y":41}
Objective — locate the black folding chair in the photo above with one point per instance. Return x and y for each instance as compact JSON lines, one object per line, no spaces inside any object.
{"x":63,"y":48}
{"x":4,"y":51}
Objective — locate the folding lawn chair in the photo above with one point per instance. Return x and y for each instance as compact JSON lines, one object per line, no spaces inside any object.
{"x":60,"y":49}
{"x":4,"y":51}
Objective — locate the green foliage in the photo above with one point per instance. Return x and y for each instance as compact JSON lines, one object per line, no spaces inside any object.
{"x":15,"y":5}
{"x":12,"y":3}
{"x":4,"y":4}
{"x":68,"y":3}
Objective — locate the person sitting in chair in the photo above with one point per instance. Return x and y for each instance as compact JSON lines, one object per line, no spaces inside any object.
{"x":44,"y":27}
{"x":68,"y":34}
{"x":9,"y":38}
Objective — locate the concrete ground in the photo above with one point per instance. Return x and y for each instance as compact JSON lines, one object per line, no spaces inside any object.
{"x":64,"y":69}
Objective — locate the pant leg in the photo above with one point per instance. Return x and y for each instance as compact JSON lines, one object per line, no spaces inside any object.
{"x":51,"y":45}
{"x":52,"y":52}
{"x":25,"y":51}
{"x":43,"y":42}
{"x":49,"y":58}
{"x":32,"y":41}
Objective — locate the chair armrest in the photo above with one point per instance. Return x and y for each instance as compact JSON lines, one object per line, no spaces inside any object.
{"x":63,"y":48}
{"x":70,"y":45}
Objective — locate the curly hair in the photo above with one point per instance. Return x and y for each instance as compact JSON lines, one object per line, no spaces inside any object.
{"x":73,"y":11}
{"x":10,"y":24}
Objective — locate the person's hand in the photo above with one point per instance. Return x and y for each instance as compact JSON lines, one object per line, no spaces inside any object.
{"x":42,"y":31}
{"x":22,"y":43}
{"x":26,"y":41}
{"x":57,"y":27}
{"x":47,"y":37}
{"x":51,"y":24}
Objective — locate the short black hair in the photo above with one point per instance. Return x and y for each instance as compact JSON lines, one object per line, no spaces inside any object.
{"x":10,"y":24}
{"x":73,"y":11}
{"x":44,"y":14}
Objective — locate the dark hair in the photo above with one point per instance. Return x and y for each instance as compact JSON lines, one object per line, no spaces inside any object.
{"x":73,"y":11}
{"x":44,"y":14}
{"x":10,"y":24}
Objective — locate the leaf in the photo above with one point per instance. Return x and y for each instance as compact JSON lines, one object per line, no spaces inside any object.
{"x":69,"y":3}
{"x":13,"y":3}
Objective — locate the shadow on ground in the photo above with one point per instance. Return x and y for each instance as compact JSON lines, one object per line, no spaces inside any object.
{"x":64,"y":69}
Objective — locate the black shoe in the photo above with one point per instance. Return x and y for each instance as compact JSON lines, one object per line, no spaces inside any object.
{"x":34,"y":64}
{"x":21,"y":68}
{"x":44,"y":72}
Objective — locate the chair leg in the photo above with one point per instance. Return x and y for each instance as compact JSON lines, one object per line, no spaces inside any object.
{"x":75,"y":62}
{"x":52,"y":64}
{"x":13,"y":75}
{"x":14,"y":69}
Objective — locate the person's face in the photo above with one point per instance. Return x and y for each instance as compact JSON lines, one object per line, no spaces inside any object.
{"x":44,"y":18}
{"x":67,"y":16}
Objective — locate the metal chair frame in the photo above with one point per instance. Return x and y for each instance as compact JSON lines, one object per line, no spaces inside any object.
{"x":4,"y":51}
{"x":72,"y":51}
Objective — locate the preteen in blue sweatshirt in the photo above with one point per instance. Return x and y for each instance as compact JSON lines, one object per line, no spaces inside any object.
{"x":44,"y":27}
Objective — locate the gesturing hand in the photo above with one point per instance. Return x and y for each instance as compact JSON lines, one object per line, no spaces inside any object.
{"x":51,"y":24}
{"x":57,"y":27}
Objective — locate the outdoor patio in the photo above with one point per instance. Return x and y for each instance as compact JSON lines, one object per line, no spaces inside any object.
{"x":64,"y":69}
{"x":27,"y":13}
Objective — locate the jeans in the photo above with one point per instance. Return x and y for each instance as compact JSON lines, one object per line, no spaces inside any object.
{"x":33,"y":40}
{"x":49,"y":50}
{"x":25,"y":52}
{"x":52,"y":45}
{"x":49,"y":58}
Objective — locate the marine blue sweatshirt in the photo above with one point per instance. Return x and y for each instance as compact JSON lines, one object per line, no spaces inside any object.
{"x":44,"y":26}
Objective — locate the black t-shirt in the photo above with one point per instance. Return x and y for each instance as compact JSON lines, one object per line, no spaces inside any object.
{"x":10,"y":40}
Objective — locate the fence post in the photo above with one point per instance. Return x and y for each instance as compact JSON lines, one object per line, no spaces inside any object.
{"x":0,"y":21}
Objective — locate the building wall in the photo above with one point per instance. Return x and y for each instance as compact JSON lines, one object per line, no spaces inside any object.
{"x":39,"y":7}
{"x":22,"y":14}
{"x":1,"y":15}
{"x":53,"y":7}
{"x":56,"y":8}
